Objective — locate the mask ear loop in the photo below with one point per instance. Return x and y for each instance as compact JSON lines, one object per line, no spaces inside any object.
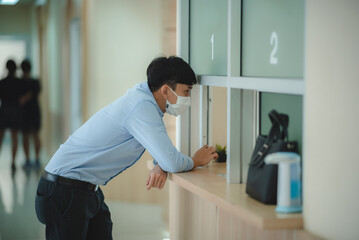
{"x":164,"y":94}
{"x":173,"y":91}
{"x":174,"y":94}
{"x":168,"y":103}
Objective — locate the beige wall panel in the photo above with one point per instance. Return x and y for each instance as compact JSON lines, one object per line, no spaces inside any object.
{"x":191,"y":217}
{"x":331,"y":117}
{"x":231,"y":227}
{"x":180,"y":213}
{"x":207,"y":222}
{"x":219,"y":115}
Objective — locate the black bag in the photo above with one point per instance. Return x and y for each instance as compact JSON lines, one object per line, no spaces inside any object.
{"x":262,"y":178}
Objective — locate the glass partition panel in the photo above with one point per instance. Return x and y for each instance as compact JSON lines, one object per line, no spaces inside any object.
{"x":272,"y":38}
{"x":292,"y":105}
{"x":208,"y":37}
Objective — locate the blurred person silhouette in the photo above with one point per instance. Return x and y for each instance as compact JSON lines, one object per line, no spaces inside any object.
{"x":12,"y":95}
{"x":31,"y":115}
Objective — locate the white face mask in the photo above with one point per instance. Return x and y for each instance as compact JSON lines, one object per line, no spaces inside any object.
{"x":179,"y":107}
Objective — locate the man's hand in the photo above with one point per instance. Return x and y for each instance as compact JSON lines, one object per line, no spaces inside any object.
{"x":157,"y":178}
{"x":204,"y":155}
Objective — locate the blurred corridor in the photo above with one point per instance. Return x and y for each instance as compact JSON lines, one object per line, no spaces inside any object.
{"x":17,"y":197}
{"x":86,"y":54}
{"x":132,"y":221}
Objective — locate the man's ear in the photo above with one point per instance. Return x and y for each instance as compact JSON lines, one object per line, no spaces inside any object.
{"x":164,"y":91}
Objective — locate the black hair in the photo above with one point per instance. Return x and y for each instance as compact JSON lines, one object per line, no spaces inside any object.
{"x":26,"y":66}
{"x":170,"y":71}
{"x":11,"y":66}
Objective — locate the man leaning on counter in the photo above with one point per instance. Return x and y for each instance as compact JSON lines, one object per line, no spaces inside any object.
{"x":69,"y":201}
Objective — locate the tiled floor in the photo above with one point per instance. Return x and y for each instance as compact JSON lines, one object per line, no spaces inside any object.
{"x":17,"y":215}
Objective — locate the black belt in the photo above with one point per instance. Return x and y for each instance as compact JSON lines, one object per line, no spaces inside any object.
{"x":69,"y":182}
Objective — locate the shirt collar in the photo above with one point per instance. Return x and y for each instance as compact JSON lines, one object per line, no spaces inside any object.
{"x":147,"y":90}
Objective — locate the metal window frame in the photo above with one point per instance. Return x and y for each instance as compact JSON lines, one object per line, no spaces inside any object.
{"x":241,"y":91}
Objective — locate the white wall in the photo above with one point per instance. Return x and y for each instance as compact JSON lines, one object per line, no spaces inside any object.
{"x":124,"y":36}
{"x":331,"y":152}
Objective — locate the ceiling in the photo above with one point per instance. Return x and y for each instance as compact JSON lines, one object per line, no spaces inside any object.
{"x":26,"y":2}
{"x":29,"y":2}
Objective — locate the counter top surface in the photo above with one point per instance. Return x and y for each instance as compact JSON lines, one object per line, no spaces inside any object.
{"x":209,"y":182}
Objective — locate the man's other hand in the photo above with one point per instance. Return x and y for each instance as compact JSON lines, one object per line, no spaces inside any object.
{"x":204,"y":155}
{"x":157,"y":178}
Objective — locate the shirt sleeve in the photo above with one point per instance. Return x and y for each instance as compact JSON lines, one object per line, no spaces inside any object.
{"x":146,"y":126}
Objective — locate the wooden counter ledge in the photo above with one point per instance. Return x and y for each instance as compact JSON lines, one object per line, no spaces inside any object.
{"x":209,"y":183}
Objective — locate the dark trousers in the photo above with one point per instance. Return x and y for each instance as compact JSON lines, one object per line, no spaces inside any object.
{"x":72,"y":213}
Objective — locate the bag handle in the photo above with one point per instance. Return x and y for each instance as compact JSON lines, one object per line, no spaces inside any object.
{"x":282,"y":120}
{"x":272,"y":136}
{"x":278,"y":121}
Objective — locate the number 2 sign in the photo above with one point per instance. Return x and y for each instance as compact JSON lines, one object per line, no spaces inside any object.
{"x":274,"y":42}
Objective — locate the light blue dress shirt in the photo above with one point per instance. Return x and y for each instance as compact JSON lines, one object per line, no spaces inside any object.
{"x":115,"y":138}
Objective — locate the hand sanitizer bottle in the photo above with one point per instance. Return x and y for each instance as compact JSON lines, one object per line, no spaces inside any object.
{"x":289,"y":192}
